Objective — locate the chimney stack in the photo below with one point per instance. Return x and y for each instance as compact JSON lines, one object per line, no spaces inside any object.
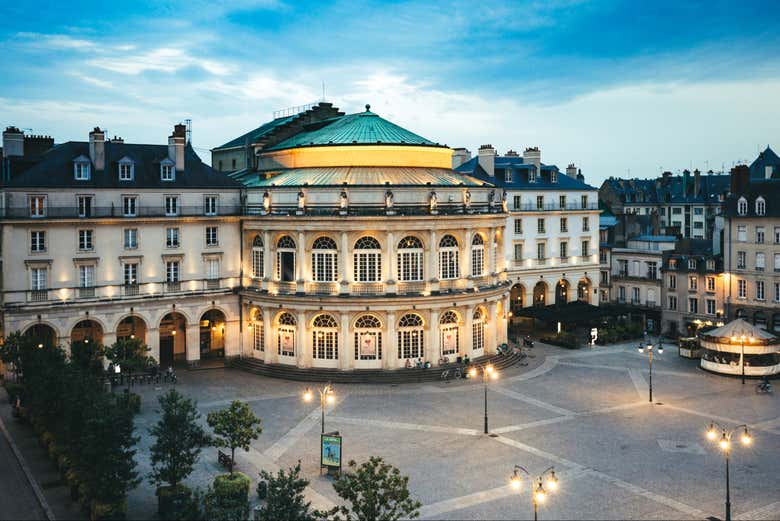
{"x":460,"y":156}
{"x":571,"y":170}
{"x":487,"y":159}
{"x":176,"y":143}
{"x":696,"y":182}
{"x":768,"y":172}
{"x":97,"y":148}
{"x":512,"y":153}
{"x":13,"y":142}
{"x":686,"y":181}
{"x":740,"y":178}
{"x":580,"y":177}
{"x":116,"y":139}
{"x":533,"y":156}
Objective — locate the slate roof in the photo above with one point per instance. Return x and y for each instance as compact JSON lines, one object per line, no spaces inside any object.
{"x":55,"y":169}
{"x":769,"y":190}
{"x":670,"y":190}
{"x":764,"y":159}
{"x":256,"y":134}
{"x":363,"y":128}
{"x":362,"y":176}
{"x":520,"y":171}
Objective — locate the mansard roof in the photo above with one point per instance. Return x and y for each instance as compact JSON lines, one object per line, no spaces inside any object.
{"x":670,"y":189}
{"x":520,"y":175}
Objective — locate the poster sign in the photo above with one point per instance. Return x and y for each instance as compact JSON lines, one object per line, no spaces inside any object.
{"x":288,"y":342}
{"x":368,"y":344}
{"x":449,"y":341}
{"x":594,"y":335}
{"x":331,"y":450}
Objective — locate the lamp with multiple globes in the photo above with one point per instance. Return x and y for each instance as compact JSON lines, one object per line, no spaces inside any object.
{"x":327,"y":396}
{"x":724,"y":443}
{"x":488,"y":373}
{"x":538,"y":491}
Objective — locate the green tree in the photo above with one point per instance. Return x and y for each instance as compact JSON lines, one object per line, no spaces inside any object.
{"x":286,"y":501}
{"x":130,"y":353}
{"x":235,"y":427}
{"x":179,"y":439}
{"x":376,"y":491}
{"x":12,"y":348}
{"x":87,"y":356}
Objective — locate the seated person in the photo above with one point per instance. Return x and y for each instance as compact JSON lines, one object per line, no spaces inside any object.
{"x":408,"y":363}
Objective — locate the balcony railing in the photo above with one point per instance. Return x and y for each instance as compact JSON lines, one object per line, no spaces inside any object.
{"x":173,"y":287}
{"x":541,"y":262}
{"x":39,"y":295}
{"x":130,"y":290}
{"x":74,"y":212}
{"x":87,"y":292}
{"x":406,"y":288}
{"x":212,"y":284}
{"x":368,"y":288}
{"x":552,"y":207}
{"x":287,"y":288}
{"x":322,"y":288}
{"x":372,"y":209}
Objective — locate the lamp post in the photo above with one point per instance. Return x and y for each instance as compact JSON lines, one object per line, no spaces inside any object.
{"x":538,"y":492}
{"x":488,"y":373}
{"x":724,"y":443}
{"x":650,"y":348}
{"x":327,"y":395}
{"x":742,"y":339}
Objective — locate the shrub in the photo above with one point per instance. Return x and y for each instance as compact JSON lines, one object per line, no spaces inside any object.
{"x":14,"y":390}
{"x":169,"y":500}
{"x":227,"y":499}
{"x":232,"y":486}
{"x":567,"y":340}
{"x":130,"y":400}
{"x":285,"y":493}
{"x":107,"y":511}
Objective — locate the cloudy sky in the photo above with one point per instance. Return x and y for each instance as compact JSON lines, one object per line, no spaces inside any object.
{"x":622,"y":88}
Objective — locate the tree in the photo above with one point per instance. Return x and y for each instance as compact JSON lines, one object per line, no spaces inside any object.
{"x":87,"y":356}
{"x":286,"y":501}
{"x":376,"y":491}
{"x":11,"y":350}
{"x":235,"y":427}
{"x":179,"y":439}
{"x":130,"y":354}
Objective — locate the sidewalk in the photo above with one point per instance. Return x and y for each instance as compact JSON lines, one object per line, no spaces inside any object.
{"x":18,"y":499}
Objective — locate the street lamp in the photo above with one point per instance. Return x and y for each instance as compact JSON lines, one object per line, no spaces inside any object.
{"x":724,"y":443}
{"x":327,"y":395}
{"x":742,"y":339}
{"x":538,"y":492}
{"x":488,"y":373}
{"x":649,"y":348}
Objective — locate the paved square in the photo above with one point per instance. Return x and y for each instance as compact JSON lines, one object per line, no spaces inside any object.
{"x":586,"y":412}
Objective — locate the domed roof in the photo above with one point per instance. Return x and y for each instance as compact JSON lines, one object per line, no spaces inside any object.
{"x":362,"y":128}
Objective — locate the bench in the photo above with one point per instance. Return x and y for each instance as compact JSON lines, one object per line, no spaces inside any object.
{"x":224,"y":459}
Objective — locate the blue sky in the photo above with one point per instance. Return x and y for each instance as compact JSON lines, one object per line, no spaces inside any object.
{"x":620,"y":88}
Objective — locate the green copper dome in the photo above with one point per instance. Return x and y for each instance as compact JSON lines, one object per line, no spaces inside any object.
{"x":363,"y":128}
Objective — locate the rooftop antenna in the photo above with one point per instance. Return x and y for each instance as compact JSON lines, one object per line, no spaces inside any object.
{"x":323,"y":90}
{"x":188,"y":122}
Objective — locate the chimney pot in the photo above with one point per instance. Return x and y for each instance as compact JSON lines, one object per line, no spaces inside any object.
{"x":487,"y":159}
{"x":97,"y":148}
{"x":13,"y":142}
{"x":176,"y":142}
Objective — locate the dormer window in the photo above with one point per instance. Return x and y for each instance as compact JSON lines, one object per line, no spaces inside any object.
{"x":553,"y":176}
{"x":742,"y":206}
{"x":760,"y":206}
{"x":81,"y":168}
{"x":508,"y":175}
{"x":126,"y":169}
{"x":691,"y":264}
{"x":532,"y":176}
{"x":167,"y":170}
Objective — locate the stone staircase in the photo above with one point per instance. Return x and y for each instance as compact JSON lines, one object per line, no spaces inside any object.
{"x":365,"y":376}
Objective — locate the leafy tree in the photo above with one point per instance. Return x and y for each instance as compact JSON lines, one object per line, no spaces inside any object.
{"x":87,"y":356}
{"x":130,"y":353}
{"x":235,"y":427}
{"x":220,"y":507}
{"x":376,"y":491}
{"x":179,"y":439}
{"x":286,"y":501}
{"x":11,"y":350}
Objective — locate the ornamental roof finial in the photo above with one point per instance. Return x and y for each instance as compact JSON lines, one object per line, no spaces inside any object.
{"x":368,"y":107}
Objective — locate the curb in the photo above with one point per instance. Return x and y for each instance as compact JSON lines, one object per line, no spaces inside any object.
{"x":30,"y":478}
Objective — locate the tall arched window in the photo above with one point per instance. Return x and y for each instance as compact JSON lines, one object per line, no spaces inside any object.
{"x":324,"y":260}
{"x":742,"y":206}
{"x":325,"y":338}
{"x":258,"y":332}
{"x":285,"y":259}
{"x":410,"y":260}
{"x":411,"y":337}
{"x":478,"y":325}
{"x":368,"y":260}
{"x":285,"y":334}
{"x":258,"y":270}
{"x":449,"y":333}
{"x":448,"y":257}
{"x":477,"y":256}
{"x":368,"y":338}
{"x":760,"y":206}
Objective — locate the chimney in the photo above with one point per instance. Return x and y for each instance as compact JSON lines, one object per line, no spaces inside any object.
{"x":13,"y":142}
{"x":533,"y":156}
{"x":35,"y":146}
{"x":176,"y":146}
{"x":580,"y":177}
{"x":97,"y":148}
{"x":696,"y":182}
{"x":571,"y":170}
{"x":116,"y":139}
{"x":460,"y":156}
{"x":666,"y":176}
{"x":740,"y":178}
{"x":686,"y":181}
{"x":768,"y":172}
{"x":487,"y":159}
{"x":511,"y":153}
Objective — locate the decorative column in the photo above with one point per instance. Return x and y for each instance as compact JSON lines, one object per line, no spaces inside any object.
{"x":270,"y":356}
{"x":389,"y":265}
{"x":192,"y":344}
{"x":491,"y":252}
{"x":346,"y":273}
{"x":465,"y":259}
{"x":268,"y":261}
{"x":390,"y":343}
{"x":433,"y":261}
{"x":433,"y":350}
{"x":493,"y":324}
{"x":232,"y":332}
{"x":300,"y":262}
{"x":302,"y":350}
{"x":468,"y":334}
{"x":346,"y":349}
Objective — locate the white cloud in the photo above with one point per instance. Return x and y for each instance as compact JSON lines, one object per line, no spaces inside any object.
{"x":56,"y":41}
{"x":93,"y":81}
{"x":163,"y":59}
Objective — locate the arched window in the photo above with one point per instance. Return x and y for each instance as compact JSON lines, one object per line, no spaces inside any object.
{"x":448,"y":258}
{"x":324,"y":260}
{"x":742,"y":206}
{"x":285,"y":334}
{"x":477,"y":256}
{"x":325,"y":338}
{"x":368,"y":338}
{"x":285,"y":259}
{"x":478,"y":325}
{"x":258,"y":332}
{"x":368,"y":260}
{"x":411,"y":337}
{"x":760,"y":206}
{"x":410,"y":259}
{"x":258,"y":269}
{"x":449,"y":333}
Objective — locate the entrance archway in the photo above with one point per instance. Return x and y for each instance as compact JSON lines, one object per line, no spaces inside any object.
{"x":583,"y":290}
{"x":212,"y":334}
{"x":540,"y":294}
{"x":131,"y":327}
{"x":173,"y":339}
{"x":42,"y":335}
{"x":561,"y":292}
{"x":87,"y":331}
{"x":517,"y":297}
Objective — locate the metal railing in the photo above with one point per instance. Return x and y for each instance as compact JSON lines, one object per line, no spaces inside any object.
{"x":322,"y":288}
{"x":98,"y":212}
{"x":399,"y":210}
{"x":368,"y":288}
{"x":173,"y":287}
{"x":87,"y":292}
{"x":548,"y":207}
{"x":38,"y":295}
{"x":130,"y":290}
